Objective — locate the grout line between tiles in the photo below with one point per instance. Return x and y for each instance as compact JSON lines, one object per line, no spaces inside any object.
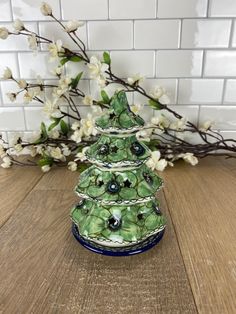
{"x":232,"y":29}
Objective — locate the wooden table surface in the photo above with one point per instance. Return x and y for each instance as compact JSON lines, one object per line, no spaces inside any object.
{"x":193,"y":269}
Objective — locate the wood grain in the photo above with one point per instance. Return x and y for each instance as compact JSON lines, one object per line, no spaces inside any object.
{"x":58,"y":179}
{"x":229,"y":163}
{"x":45,"y":270}
{"x":202,"y":204}
{"x":14,"y":186}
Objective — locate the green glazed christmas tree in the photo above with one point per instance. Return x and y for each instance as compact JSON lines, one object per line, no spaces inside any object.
{"x":118,"y":213}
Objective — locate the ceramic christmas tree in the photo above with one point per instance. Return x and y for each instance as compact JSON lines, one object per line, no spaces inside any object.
{"x":118,"y":213}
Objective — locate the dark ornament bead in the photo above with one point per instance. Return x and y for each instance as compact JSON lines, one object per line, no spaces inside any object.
{"x":112,"y":115}
{"x":81,"y":203}
{"x":114,"y":223}
{"x":81,"y":206}
{"x":137,"y":149}
{"x":157,"y":210}
{"x":113,"y":187}
{"x":100,"y":183}
{"x":114,"y":149}
{"x":140,"y":216}
{"x":103,"y":150}
{"x":147,"y":178}
{"x":85,"y":211}
{"x":127,"y":183}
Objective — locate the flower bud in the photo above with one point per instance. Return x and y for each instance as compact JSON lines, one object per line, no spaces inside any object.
{"x":4,"y":32}
{"x":18,"y":25}
{"x":72,"y":26}
{"x":7,"y":74}
{"x":46,"y":9}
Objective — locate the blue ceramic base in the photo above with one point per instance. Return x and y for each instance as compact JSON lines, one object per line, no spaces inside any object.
{"x":125,"y":251}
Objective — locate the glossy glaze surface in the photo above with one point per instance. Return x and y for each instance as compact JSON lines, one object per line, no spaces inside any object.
{"x":118,"y":208}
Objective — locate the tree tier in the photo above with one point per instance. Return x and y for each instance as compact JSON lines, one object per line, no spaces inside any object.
{"x":120,"y":225}
{"x":118,"y":187}
{"x":119,"y":118}
{"x":111,"y":151}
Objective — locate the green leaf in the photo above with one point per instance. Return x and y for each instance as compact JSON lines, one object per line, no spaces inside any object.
{"x":155,"y":104}
{"x":43,"y":136}
{"x":63,"y":61}
{"x":45,"y":161}
{"x":105,"y":97}
{"x":75,"y":59}
{"x":43,"y":130}
{"x":72,"y":58}
{"x":75,"y":81}
{"x":54,"y":124}
{"x":64,"y":127}
{"x":152,"y":144}
{"x":82,"y":166}
{"x":106,"y":57}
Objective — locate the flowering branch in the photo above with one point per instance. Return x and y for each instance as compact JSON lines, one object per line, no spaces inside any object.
{"x":69,"y":133}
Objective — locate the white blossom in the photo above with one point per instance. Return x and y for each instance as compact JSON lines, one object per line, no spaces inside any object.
{"x":137,"y":78}
{"x":158,"y":92}
{"x":6,"y":162}
{"x":207,"y":125}
{"x":73,"y":25}
{"x":155,"y":120}
{"x":136,"y":108}
{"x":32,"y":40}
{"x":65,"y":150}
{"x":160,"y":121}
{"x":88,"y":125}
{"x":30,"y":94}
{"x":54,"y":49}
{"x":39,"y":80}
{"x":101,"y":81}
{"x":75,"y":125}
{"x":15,"y":139}
{"x":77,"y":136}
{"x":18,"y":148}
{"x":155,"y":163}
{"x":32,"y":151}
{"x":170,"y":163}
{"x":7,"y":74}
{"x":40,"y":149}
{"x":4,"y":32}
{"x":45,"y":168}
{"x":54,"y":134}
{"x":28,"y":97}
{"x":57,"y":71}
{"x":81,"y":155}
{"x":96,"y":68}
{"x":22,"y":83}
{"x":179,"y":124}
{"x":56,"y":153}
{"x":51,"y":108}
{"x":164,"y":99}
{"x":189,"y":158}
{"x":144,"y":135}
{"x":63,"y":86}
{"x":11,"y":96}
{"x":2,"y":151}
{"x":18,"y":25}
{"x":72,"y":166}
{"x":46,"y":9}
{"x":97,"y":110}
{"x":87,"y":100}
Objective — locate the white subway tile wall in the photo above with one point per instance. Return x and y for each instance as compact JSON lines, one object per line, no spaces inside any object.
{"x":187,"y":46}
{"x":182,"y":8}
